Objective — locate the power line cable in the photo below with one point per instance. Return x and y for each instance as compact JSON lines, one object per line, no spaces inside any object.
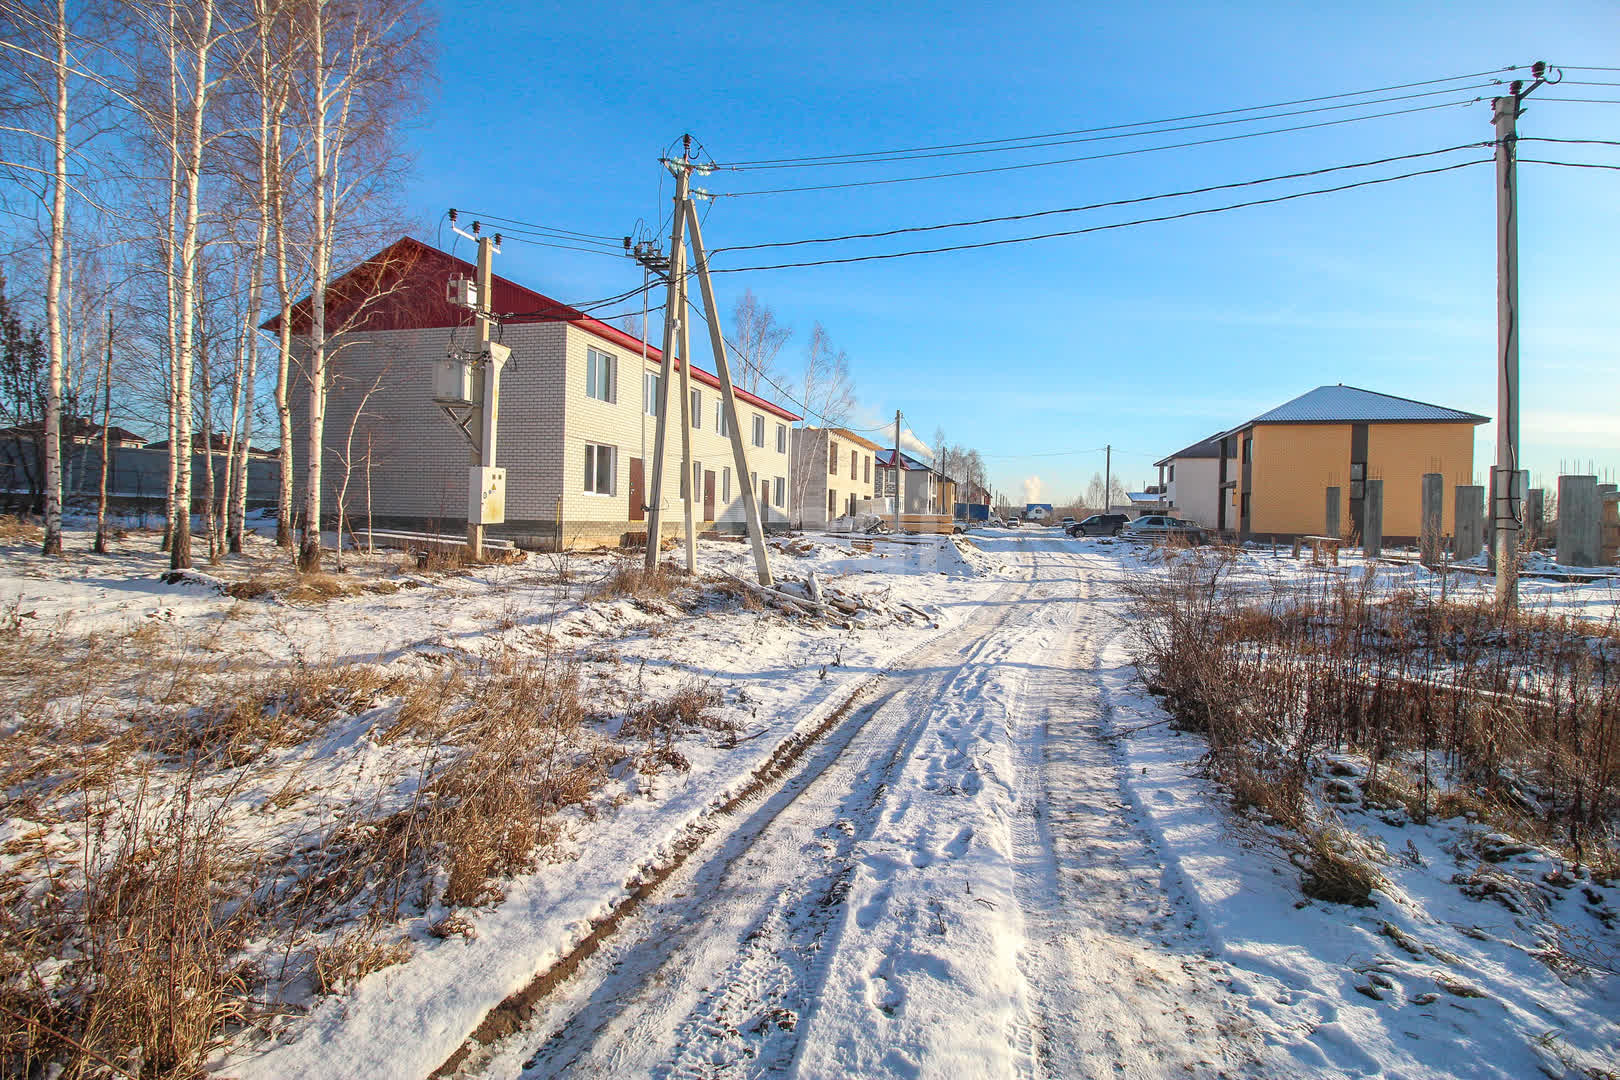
{"x":1566,"y":164}
{"x":1151,"y":123}
{"x":1106,"y":227}
{"x":1100,"y":205}
{"x":1583,"y":142}
{"x":482,"y":216}
{"x":1113,"y":135}
{"x":1097,"y":157}
{"x":1582,"y":100}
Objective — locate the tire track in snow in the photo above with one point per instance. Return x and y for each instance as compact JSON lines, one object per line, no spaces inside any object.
{"x":1118,"y":972}
{"x":718,"y":970}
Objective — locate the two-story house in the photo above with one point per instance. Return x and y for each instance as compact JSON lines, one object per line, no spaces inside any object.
{"x":578,"y":416}
{"x":834,"y":473}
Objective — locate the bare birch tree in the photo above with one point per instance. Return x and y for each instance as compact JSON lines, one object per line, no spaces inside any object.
{"x":759,"y":340}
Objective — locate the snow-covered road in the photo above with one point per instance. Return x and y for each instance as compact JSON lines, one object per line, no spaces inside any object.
{"x":952,"y":882}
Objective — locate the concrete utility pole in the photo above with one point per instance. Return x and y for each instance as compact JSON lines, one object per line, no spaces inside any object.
{"x":1108,"y":478}
{"x":472,"y":402}
{"x":728,"y":397}
{"x":1505,"y":496}
{"x":674,"y":315}
{"x":899,"y":473}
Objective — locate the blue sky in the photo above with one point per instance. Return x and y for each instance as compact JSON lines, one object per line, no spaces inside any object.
{"x":1147,"y":338}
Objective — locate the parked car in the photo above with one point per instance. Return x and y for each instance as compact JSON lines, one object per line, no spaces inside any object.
{"x":1013,"y":522}
{"x":1157,"y":527}
{"x":1067,"y":522}
{"x":1099,"y":525}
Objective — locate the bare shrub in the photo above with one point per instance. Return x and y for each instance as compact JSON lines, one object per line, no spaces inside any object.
{"x":353,"y":955}
{"x":630,"y":579}
{"x":132,"y":961}
{"x":689,"y":708}
{"x":14,"y":528}
{"x":1458,"y":707}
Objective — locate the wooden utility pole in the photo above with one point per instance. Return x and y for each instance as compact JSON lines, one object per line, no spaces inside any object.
{"x":1505,"y":498}
{"x":728,"y":396}
{"x":899,"y":473}
{"x":674,"y":314}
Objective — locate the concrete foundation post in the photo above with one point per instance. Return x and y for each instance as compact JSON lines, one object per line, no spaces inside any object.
{"x":1331,"y":520}
{"x":1535,"y":515}
{"x":1469,"y":527}
{"x":1372,"y":519}
{"x":1579,"y":521}
{"x":1430,"y":519}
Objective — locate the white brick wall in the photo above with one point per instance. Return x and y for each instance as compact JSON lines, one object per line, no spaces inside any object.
{"x":420,"y":461}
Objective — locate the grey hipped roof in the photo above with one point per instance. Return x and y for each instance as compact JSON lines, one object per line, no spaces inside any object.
{"x":1207,"y":448}
{"x":1352,"y":405}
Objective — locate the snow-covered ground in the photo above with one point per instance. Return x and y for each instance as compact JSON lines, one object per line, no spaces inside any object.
{"x":986,"y":855}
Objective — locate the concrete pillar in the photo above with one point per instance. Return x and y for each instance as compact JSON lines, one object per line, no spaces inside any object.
{"x":1430,"y":519}
{"x":1535,"y":515}
{"x":1331,"y":520}
{"x":1372,"y":519}
{"x":1469,"y":519}
{"x":1579,"y":521}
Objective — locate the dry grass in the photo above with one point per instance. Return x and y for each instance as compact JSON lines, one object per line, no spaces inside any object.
{"x":690,"y":708}
{"x":1458,"y":708}
{"x":16,"y":529}
{"x":630,"y":579}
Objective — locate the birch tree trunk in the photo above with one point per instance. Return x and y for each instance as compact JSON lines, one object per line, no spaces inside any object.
{"x":53,"y":298}
{"x":180,"y":552}
{"x":100,"y":547}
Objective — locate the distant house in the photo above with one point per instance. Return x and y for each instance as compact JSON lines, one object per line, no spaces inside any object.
{"x":1037,"y":511}
{"x":76,"y":430}
{"x":833,"y":472}
{"x":926,"y":492}
{"x":220,"y":444}
{"x":1191,"y":480}
{"x":1341,"y":436}
{"x":1148,"y":502}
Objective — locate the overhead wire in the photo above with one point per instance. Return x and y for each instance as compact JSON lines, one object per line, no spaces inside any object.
{"x":1152,"y":123}
{"x":1566,"y":164}
{"x":1101,"y":205}
{"x":1109,"y":134}
{"x":1092,"y":157}
{"x":1108,"y":226}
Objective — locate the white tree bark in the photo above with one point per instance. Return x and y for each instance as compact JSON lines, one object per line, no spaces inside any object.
{"x":53,"y":296}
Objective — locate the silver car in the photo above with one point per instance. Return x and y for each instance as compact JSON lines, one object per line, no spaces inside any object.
{"x":1157,"y":527}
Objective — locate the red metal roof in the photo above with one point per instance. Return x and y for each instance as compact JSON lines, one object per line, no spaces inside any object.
{"x":402,"y":288}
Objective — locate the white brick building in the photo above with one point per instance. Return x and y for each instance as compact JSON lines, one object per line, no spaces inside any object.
{"x":834,"y":471}
{"x":577,"y":418}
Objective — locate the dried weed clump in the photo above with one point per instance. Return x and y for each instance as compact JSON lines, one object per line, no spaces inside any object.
{"x":1459,"y":708}
{"x":129,"y":962}
{"x":630,"y":579}
{"x":689,"y":708}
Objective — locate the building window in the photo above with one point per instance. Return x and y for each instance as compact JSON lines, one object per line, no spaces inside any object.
{"x":868,"y":469}
{"x":832,"y":458}
{"x":649,"y":391}
{"x":721,"y":428}
{"x":697,"y":408}
{"x":759,"y":431}
{"x":697,"y":481}
{"x":780,"y":492}
{"x":1248,"y":449}
{"x":1244,"y":503}
{"x":832,"y":503}
{"x":781,"y":438}
{"x":600,"y":472}
{"x":599,"y":376}
{"x":1172,"y":476}
{"x":854,"y":465}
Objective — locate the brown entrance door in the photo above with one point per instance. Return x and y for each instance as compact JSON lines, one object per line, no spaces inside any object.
{"x":638,"y":500}
{"x":708,"y":495}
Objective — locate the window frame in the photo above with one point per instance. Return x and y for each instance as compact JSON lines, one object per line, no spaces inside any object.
{"x":781,"y":438}
{"x":649,"y":392}
{"x":593,"y":469}
{"x":832,"y":458}
{"x":697,"y":409}
{"x":601,"y":373}
{"x":759,"y":431}
{"x":779,"y":490}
